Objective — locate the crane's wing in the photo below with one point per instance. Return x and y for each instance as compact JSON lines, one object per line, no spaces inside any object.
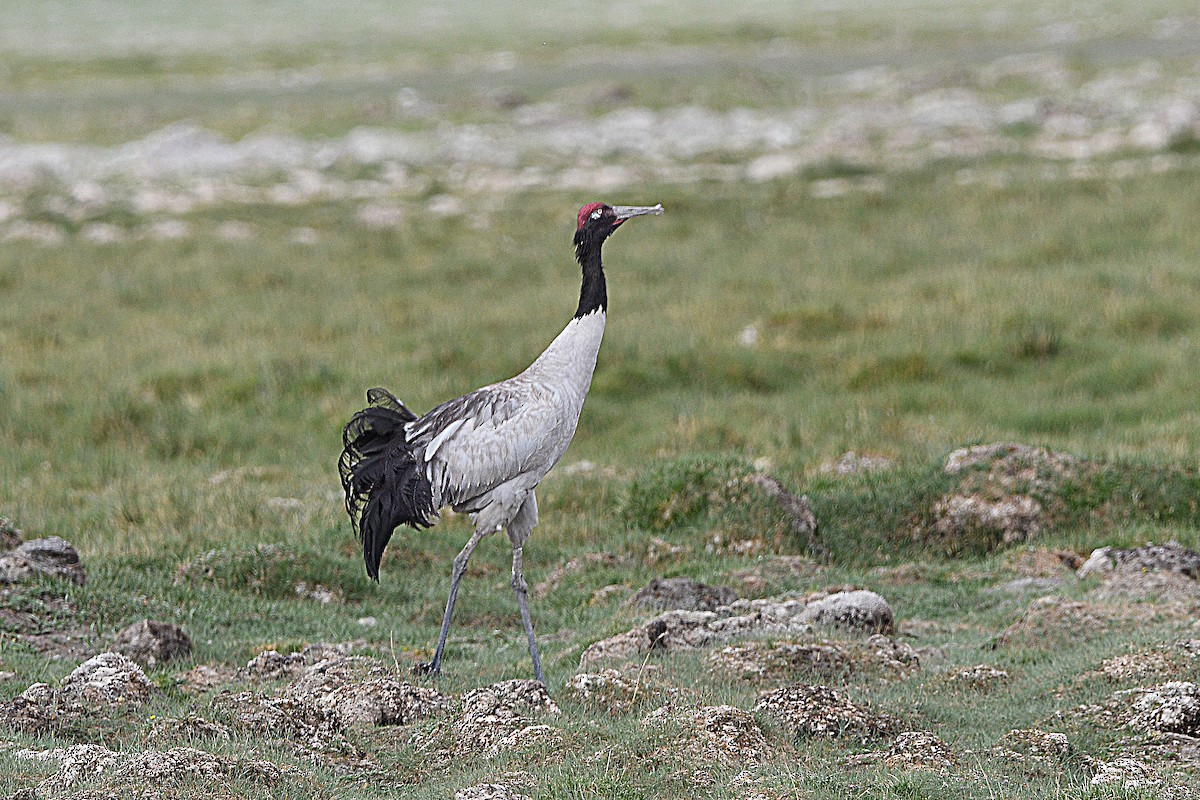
{"x":494,"y":435}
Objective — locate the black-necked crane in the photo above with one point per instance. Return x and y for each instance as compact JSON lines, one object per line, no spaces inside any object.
{"x":483,"y":453}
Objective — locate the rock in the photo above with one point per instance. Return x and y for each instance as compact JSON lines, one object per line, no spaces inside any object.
{"x":721,"y":735}
{"x":1162,"y":661}
{"x":984,"y":523}
{"x":1127,"y":775}
{"x":828,"y":662}
{"x":911,"y":750}
{"x":859,"y":611}
{"x":489,"y":791}
{"x":148,"y":768}
{"x":492,"y":718}
{"x":10,"y":537}
{"x":1009,"y":462}
{"x":682,"y":593}
{"x":1038,"y":746}
{"x":361,"y":691}
{"x":763,"y":661}
{"x":151,"y":642}
{"x":287,"y":718}
{"x":1172,"y":707}
{"x":50,"y":556}
{"x":1098,"y":563}
{"x":690,"y":630}
{"x":614,"y":693}
{"x":108,"y":678}
{"x":806,"y":710}
{"x":852,"y":463}
{"x":980,"y":676}
{"x":271,"y":664}
{"x":1171,"y":557}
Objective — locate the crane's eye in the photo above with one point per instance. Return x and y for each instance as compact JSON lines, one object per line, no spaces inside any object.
{"x":599,"y":212}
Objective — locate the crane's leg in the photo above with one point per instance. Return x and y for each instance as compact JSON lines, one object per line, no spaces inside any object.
{"x":460,"y":566}
{"x":519,"y":529}
{"x":522,"y":591}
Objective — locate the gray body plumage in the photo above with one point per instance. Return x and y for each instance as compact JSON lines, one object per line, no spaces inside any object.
{"x":484,"y":453}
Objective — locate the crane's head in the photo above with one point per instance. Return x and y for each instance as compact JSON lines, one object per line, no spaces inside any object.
{"x":597,"y":221}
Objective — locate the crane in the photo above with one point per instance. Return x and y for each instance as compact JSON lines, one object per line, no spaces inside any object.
{"x":484,"y":453}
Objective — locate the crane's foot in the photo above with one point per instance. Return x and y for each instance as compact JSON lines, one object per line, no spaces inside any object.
{"x":421,"y":668}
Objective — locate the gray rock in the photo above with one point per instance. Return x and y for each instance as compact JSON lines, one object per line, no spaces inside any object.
{"x":1172,"y":707}
{"x":362,"y":691}
{"x":859,"y":611}
{"x":150,"y":642}
{"x":685,"y":594}
{"x":50,"y":556}
{"x":1170,"y":557}
{"x":108,"y":678}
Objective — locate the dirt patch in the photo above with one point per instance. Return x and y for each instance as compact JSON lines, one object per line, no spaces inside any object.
{"x":1050,"y":621}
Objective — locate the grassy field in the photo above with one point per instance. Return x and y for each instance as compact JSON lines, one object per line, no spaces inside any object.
{"x":173,"y":406}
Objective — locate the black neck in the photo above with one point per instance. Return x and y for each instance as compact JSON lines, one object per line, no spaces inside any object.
{"x":593,"y":294}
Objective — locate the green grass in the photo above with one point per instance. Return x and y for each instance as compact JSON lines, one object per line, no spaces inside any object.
{"x":174,"y":409}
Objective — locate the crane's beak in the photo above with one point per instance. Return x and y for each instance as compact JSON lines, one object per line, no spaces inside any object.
{"x":625,"y":212}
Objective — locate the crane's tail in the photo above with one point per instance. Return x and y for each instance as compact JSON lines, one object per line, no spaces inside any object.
{"x":382,"y":477}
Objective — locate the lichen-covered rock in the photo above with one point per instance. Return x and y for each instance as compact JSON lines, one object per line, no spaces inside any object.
{"x":911,"y":750}
{"x":723,"y":735}
{"x":1009,"y":462}
{"x":615,"y":693}
{"x":806,"y":710}
{"x":150,"y":642}
{"x":131,"y":770}
{"x":1170,"y":557}
{"x":682,"y":593}
{"x":51,"y":556}
{"x":763,"y":661}
{"x":860,"y":611}
{"x":978,"y":677}
{"x":1031,"y":744}
{"x":1127,"y":774}
{"x":362,"y":691}
{"x":490,"y":718}
{"x":690,"y":630}
{"x":1172,"y":707}
{"x":489,"y":791}
{"x":271,"y":664}
{"x":973,"y":522}
{"x":109,"y":678}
